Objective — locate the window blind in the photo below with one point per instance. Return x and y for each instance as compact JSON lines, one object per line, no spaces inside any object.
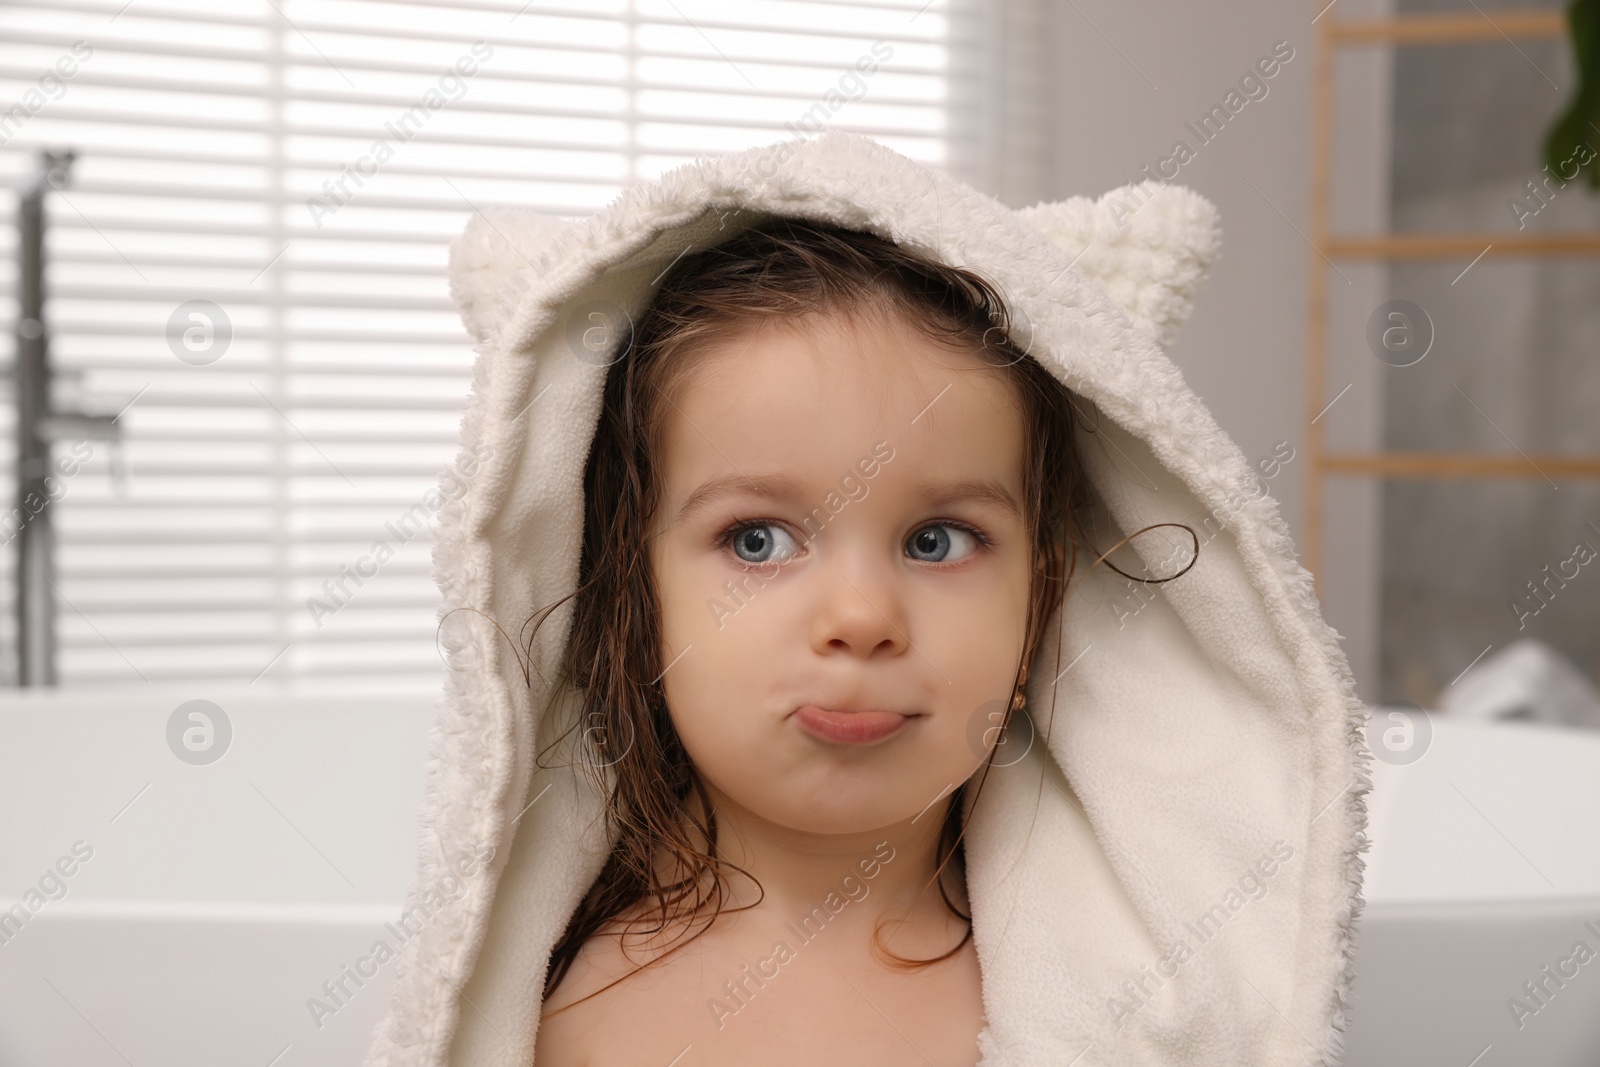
{"x":247,"y":269}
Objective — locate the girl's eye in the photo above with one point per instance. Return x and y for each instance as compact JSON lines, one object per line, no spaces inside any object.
{"x":936,"y":542}
{"x":759,"y":541}
{"x":766,"y":542}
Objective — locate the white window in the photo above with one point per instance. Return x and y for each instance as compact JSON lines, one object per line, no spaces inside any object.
{"x":271,"y":160}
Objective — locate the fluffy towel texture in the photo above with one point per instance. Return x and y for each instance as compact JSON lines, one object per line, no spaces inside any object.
{"x":1171,"y":879}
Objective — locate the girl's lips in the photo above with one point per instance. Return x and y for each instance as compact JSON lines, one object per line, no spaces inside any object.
{"x":849,"y":727}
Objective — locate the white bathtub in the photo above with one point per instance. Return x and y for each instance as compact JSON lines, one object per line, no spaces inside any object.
{"x":219,"y":898}
{"x":1484,"y":868}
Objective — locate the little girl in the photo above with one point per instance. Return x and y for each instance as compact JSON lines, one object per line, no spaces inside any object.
{"x":828,"y":674}
{"x":824,"y":485}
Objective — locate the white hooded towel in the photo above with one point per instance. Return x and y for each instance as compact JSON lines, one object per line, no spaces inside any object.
{"x":1172,"y":878}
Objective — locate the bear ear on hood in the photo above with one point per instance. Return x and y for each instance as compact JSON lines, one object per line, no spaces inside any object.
{"x":495,"y":260}
{"x":1148,"y":245}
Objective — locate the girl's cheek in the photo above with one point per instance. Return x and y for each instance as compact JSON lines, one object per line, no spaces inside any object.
{"x":683,"y":612}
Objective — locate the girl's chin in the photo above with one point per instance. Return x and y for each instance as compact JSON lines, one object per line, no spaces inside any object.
{"x":837,"y":815}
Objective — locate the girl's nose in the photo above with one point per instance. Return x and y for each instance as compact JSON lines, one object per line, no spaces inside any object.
{"x":860,"y":608}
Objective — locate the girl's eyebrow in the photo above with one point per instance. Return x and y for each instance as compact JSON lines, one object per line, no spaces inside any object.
{"x":786,"y":487}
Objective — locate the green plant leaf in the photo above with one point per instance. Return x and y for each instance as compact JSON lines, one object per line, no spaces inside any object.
{"x":1571,"y":141}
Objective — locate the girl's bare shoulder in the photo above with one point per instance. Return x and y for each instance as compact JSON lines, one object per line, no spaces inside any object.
{"x":605,"y":981}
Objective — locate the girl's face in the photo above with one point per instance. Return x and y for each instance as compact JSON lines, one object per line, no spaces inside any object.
{"x":841,"y":529}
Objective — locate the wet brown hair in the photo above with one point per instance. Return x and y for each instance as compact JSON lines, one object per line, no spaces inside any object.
{"x":781,"y":270}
